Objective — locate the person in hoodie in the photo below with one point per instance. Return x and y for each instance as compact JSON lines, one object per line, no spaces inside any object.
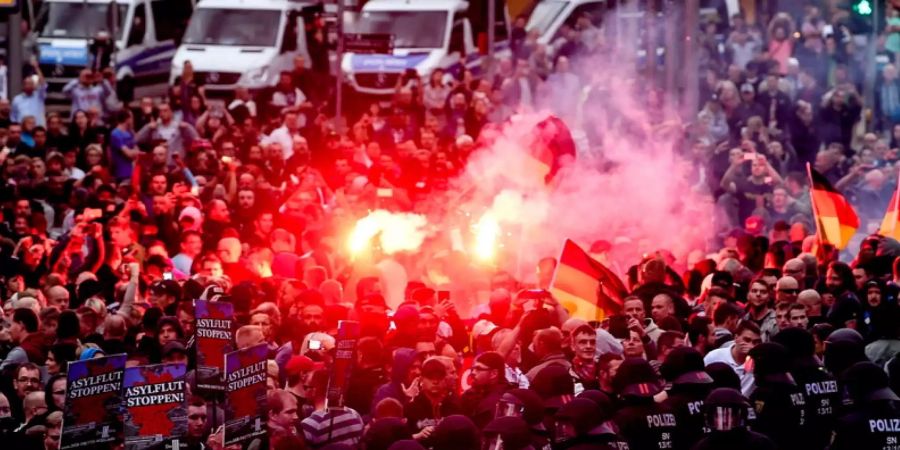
{"x":406,"y":318}
{"x":683,"y":368}
{"x":726,"y":414}
{"x":404,"y":383}
{"x":820,"y":388}
{"x":384,"y":432}
{"x":777,"y":400}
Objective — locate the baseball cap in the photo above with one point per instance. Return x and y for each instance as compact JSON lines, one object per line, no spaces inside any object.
{"x":747,"y":87}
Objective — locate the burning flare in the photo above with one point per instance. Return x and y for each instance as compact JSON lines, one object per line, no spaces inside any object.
{"x":486,"y":232}
{"x":395,"y":232}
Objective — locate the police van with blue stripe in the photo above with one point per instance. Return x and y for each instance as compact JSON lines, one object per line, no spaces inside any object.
{"x":144,"y":35}
{"x":426,"y":35}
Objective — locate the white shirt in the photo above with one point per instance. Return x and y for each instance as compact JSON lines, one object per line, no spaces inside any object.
{"x":724,"y":355}
{"x":284,"y":137}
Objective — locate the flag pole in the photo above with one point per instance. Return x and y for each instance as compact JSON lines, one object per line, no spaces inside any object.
{"x":896,"y":206}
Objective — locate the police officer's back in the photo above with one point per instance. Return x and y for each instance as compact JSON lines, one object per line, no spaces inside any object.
{"x":779,"y":405}
{"x":683,"y":368}
{"x":644,"y":424}
{"x":874,"y":422}
{"x":819,"y":387}
{"x":584,"y":423}
{"x":726,"y":414}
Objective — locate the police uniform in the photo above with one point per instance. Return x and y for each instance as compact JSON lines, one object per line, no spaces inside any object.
{"x":726,"y":413}
{"x":779,"y":404}
{"x":644,"y":424}
{"x":820,"y":389}
{"x":683,"y":368}
{"x":875,"y":422}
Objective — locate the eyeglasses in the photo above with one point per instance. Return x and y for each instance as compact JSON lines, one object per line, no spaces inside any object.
{"x":59,"y":392}
{"x":29,"y":380}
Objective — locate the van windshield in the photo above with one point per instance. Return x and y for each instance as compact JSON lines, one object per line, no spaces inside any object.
{"x":80,"y":20}
{"x":234,"y":27}
{"x":544,"y":14}
{"x":411,"y":29}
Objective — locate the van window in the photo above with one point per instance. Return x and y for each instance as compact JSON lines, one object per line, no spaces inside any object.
{"x":595,"y":10}
{"x":289,"y":43}
{"x":458,"y":37}
{"x":170,"y":18}
{"x":138,"y":26}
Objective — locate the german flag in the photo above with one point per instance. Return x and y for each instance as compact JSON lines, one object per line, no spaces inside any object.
{"x":889,"y":226}
{"x":586,"y":288}
{"x":836,"y":221}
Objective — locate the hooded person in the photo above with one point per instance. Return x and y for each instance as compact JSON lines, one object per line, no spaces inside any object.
{"x":690,"y":384}
{"x":403,"y":374}
{"x":820,"y":388}
{"x":726,"y":414}
{"x":643,"y":423}
{"x":584,"y":423}
{"x":384,"y":432}
{"x":456,"y":432}
{"x":873,"y":420}
{"x":406,"y":319}
{"x":507,"y":433}
{"x":778,"y":402}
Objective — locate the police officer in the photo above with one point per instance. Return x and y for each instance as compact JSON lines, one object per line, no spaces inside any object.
{"x":779,"y":404}
{"x":645,"y":424}
{"x":820,"y":388}
{"x":874,"y":422}
{"x":507,"y":433}
{"x":584,"y":424}
{"x":726,"y":414}
{"x":684,"y":369}
{"x":528,"y":405}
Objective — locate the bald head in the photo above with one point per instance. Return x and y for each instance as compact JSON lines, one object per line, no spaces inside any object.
{"x":248,"y":336}
{"x":58,"y":297}
{"x":812,"y":301}
{"x":786,"y":290}
{"x":547,"y":341}
{"x":34,"y":404}
{"x":229,"y":250}
{"x":794,"y":268}
{"x":114,"y":327}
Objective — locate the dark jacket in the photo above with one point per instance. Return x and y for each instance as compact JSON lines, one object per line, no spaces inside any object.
{"x":403,"y":359}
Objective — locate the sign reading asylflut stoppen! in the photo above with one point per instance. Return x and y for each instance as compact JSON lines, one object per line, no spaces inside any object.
{"x":246,"y":408}
{"x":213,"y":336}
{"x":91,"y":416}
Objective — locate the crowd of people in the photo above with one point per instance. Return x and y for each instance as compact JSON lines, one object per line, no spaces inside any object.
{"x":115,"y":219}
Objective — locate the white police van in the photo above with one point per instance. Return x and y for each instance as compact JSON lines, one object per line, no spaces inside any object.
{"x":145,"y":33}
{"x":427,"y":34}
{"x":246,"y":43}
